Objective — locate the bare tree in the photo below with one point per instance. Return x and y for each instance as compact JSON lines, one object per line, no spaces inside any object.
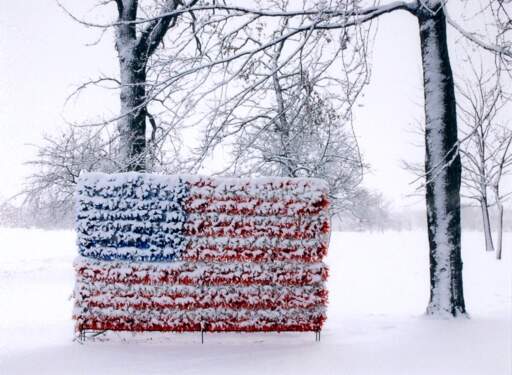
{"x":483,"y":105}
{"x":140,"y":28}
{"x":481,"y":102}
{"x":502,"y":12}
{"x":442,"y":164}
{"x":10,"y":215}
{"x":240,"y":46}
{"x":234,"y":36}
{"x":502,"y":167}
{"x":369,"y":211}
{"x":59,"y":160}
{"x":134,"y":50}
{"x":295,"y":129}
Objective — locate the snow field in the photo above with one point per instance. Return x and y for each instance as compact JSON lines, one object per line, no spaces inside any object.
{"x":378,"y":290}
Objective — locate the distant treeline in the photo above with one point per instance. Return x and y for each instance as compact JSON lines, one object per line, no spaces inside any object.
{"x":413,"y":219}
{"x":16,"y":215}
{"x":378,"y":217}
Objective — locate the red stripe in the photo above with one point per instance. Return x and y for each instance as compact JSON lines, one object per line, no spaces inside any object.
{"x":195,"y":320}
{"x":199,"y":305}
{"x":229,"y":204}
{"x":240,"y":230}
{"x":211,"y":252}
{"x":190,"y":273}
{"x":236,"y":300}
{"x":114,"y":325}
{"x":286,"y":280}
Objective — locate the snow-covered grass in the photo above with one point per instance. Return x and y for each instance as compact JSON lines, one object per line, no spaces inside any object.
{"x":378,"y":292}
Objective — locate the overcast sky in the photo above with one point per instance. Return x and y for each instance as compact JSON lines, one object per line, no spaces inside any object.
{"x":43,"y":55}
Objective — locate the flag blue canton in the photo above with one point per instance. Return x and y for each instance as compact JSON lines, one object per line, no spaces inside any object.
{"x":134,"y":219}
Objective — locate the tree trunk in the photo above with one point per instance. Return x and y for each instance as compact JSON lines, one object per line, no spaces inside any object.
{"x":132,"y":124}
{"x":489,"y":246}
{"x":499,"y":205}
{"x":282,"y":125}
{"x":442,"y":165}
{"x":134,"y":52}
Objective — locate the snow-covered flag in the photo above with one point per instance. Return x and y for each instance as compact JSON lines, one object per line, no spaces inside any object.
{"x":188,"y":253}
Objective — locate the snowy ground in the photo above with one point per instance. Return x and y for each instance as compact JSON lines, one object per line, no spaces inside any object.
{"x":378,"y":292}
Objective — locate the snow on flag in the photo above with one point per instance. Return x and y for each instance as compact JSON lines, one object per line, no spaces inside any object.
{"x":187,"y":253}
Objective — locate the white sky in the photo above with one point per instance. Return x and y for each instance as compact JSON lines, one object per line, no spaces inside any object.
{"x":43,"y":56}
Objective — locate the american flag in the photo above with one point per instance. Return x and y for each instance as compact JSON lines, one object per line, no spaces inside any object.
{"x":188,"y":253}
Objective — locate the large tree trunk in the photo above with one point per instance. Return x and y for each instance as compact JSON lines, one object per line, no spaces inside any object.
{"x":489,"y":246}
{"x":442,"y":165}
{"x":134,"y":52}
{"x":132,"y":65}
{"x":132,"y":124}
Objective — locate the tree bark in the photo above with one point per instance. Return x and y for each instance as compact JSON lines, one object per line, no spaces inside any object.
{"x":132,"y":121}
{"x":134,"y":52}
{"x":132,"y":124}
{"x":499,"y":205}
{"x":282,"y":127}
{"x":442,"y":165}
{"x":489,"y":246}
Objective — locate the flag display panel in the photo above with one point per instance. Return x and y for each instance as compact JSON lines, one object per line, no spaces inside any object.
{"x":192,"y":253}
